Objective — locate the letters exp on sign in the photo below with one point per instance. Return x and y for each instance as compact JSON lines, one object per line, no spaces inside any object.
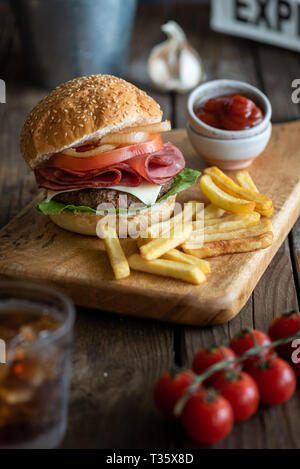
{"x":273,"y":21}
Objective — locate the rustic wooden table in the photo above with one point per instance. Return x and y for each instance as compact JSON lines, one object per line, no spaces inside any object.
{"x":117,"y":359}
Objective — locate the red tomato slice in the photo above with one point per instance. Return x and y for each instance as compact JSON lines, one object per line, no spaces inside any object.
{"x":108,"y":158}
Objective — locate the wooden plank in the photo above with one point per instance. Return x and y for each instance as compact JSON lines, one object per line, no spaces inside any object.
{"x":115,"y":365}
{"x":295,"y":249}
{"x":80,"y":265}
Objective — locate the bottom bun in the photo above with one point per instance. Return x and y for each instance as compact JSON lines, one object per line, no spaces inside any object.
{"x":87,"y":223}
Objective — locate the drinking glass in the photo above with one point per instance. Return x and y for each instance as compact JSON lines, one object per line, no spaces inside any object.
{"x":36,"y":326}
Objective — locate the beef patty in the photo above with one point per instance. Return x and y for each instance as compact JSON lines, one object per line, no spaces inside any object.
{"x":94,"y":197}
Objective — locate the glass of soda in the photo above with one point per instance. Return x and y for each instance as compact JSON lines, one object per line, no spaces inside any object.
{"x":36,"y":325}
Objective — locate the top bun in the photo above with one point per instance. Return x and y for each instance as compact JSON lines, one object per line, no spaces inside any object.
{"x":83,"y":110}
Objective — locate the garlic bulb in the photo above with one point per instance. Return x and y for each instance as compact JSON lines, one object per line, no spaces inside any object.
{"x":174,"y":65}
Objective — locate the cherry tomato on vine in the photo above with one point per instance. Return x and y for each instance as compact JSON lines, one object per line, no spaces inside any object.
{"x":282,"y":326}
{"x":248,"y":339}
{"x":207,"y":357}
{"x":275,"y":378}
{"x":207,"y":417}
{"x":241,"y":391}
{"x":169,"y":389}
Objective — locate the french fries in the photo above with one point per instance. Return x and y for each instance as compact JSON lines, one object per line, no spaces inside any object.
{"x":195,"y":208}
{"x":177,"y":248}
{"x":256,"y":230}
{"x":223,"y":200}
{"x":115,"y":252}
{"x":197,"y":237}
{"x":166,"y":268}
{"x":266,"y":213}
{"x":225,"y":183}
{"x":141,"y":241}
{"x":190,"y":212}
{"x":179,"y":256}
{"x":212,"y":211}
{"x":230,"y":217}
{"x":246,"y":181}
{"x":231,"y":223}
{"x":157,"y":247}
{"x":231,"y":246}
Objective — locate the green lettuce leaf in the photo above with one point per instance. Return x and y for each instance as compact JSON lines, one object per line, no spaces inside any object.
{"x":184,"y":180}
{"x":55,"y":208}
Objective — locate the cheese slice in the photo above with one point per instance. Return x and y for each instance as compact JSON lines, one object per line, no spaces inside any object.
{"x":145,"y":192}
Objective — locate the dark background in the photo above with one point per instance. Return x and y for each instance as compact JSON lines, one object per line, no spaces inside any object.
{"x":117,"y":410}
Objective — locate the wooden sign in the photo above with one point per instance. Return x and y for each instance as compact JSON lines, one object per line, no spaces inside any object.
{"x":273,"y":21}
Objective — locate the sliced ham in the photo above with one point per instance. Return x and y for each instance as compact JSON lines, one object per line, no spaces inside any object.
{"x":157,"y":168}
{"x":60,"y":179}
{"x":161,"y":166}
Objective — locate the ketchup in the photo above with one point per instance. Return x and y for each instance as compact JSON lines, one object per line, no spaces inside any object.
{"x":230,"y":112}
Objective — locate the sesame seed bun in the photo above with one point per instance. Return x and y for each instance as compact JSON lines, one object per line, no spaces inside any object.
{"x":86,"y":223}
{"x":83,"y":110}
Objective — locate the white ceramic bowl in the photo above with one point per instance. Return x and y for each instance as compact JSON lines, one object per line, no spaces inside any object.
{"x":226,"y":148}
{"x":229,"y":154}
{"x":215,"y":88}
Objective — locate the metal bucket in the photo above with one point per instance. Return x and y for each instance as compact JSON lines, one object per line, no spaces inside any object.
{"x":64,"y":39}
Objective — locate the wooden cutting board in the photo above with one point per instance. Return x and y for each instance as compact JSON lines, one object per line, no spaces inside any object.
{"x":33,"y":248}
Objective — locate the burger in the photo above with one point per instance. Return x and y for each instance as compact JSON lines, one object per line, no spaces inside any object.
{"x":95,"y":147}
